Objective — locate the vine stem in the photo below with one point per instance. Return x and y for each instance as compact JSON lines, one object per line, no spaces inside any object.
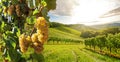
{"x":32,"y":31}
{"x":34,"y":27}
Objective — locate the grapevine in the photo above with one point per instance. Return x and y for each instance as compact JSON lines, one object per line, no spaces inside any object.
{"x":37,"y":39}
{"x":15,"y":39}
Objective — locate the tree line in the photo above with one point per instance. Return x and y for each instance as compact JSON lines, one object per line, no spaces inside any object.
{"x":89,"y":34}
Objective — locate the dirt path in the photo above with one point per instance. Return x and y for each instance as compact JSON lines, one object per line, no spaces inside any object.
{"x":75,"y":55}
{"x":96,"y":59}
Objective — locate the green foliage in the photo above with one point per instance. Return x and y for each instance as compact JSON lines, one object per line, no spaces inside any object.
{"x":10,"y":38}
{"x":35,"y":11}
{"x":44,"y":14}
{"x":113,"y":30}
{"x":89,"y":34}
{"x":51,"y":4}
{"x":55,"y":24}
{"x":30,"y":20}
{"x":38,"y":57}
{"x":64,"y":34}
{"x":94,"y":33}
{"x":14,"y":15}
{"x":44,"y":3}
{"x":110,"y":41}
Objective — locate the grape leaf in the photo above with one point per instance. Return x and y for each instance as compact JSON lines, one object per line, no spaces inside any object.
{"x":35,"y":11}
{"x":44,"y":3}
{"x":44,"y":13}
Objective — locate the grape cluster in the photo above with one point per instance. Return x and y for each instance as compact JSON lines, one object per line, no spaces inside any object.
{"x":11,"y":9}
{"x":5,"y":10}
{"x":24,"y":42}
{"x":42,"y":29}
{"x":19,"y":9}
{"x":22,"y":1}
{"x":37,"y":39}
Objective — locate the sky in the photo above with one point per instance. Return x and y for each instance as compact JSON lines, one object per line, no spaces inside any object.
{"x":86,"y":12}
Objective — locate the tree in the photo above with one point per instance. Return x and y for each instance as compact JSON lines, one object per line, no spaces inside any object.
{"x":113,"y":30}
{"x":86,"y":34}
{"x":89,"y":34}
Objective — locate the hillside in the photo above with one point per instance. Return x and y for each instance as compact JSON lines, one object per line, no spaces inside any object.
{"x":81,"y":27}
{"x":109,"y":25}
{"x":63,"y":32}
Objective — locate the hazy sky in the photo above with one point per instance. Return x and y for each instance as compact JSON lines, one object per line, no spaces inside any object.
{"x":84,"y":11}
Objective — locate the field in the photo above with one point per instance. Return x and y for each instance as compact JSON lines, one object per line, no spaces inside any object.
{"x":61,"y":32}
{"x":73,"y":53}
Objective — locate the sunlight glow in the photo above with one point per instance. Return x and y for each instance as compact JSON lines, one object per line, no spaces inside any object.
{"x":90,"y":11}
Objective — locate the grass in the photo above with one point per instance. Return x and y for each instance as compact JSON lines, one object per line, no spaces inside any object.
{"x":63,"y":54}
{"x":68,"y":30}
{"x":64,"y":33}
{"x":104,"y":58}
{"x":59,"y":33}
{"x":73,"y":53}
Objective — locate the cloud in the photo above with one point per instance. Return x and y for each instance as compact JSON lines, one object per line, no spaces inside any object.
{"x":87,"y":11}
{"x":59,"y":18}
{"x":64,"y":7}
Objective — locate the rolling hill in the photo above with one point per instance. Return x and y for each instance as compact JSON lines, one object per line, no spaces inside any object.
{"x":63,"y":32}
{"x":81,"y":27}
{"x":73,"y":31}
{"x":109,"y":25}
{"x":66,"y":33}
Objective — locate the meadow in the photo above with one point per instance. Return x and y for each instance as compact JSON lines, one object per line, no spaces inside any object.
{"x":73,"y":53}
